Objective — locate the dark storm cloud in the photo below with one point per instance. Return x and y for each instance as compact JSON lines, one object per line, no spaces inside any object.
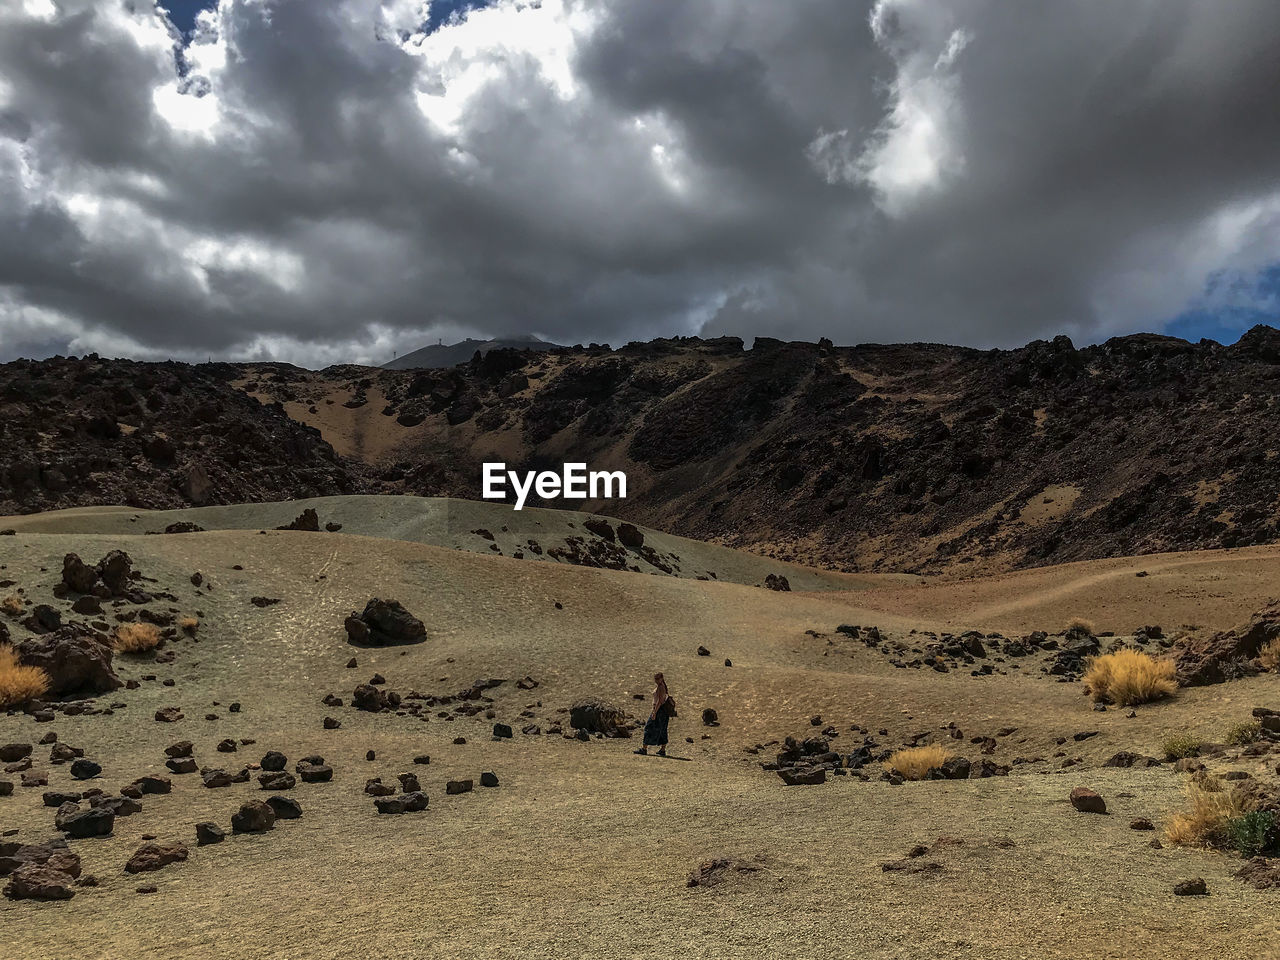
{"x":316,"y":187}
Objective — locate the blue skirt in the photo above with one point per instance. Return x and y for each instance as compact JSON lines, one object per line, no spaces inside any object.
{"x":655,"y":729}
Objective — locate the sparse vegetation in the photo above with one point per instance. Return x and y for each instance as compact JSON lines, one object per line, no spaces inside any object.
{"x":1080,"y":625}
{"x":188,"y":625}
{"x":1270,"y":655}
{"x":1180,"y":746}
{"x":1127,"y":677}
{"x":1252,"y":833}
{"x":1204,"y":822}
{"x":12,"y":605}
{"x":1242,"y":733}
{"x":914,"y":762}
{"x":137,"y":637}
{"x":19,"y":683}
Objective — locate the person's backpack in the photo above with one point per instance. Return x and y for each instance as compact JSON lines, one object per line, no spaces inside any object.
{"x":669,"y":705}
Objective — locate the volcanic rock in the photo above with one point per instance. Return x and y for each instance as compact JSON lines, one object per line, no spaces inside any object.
{"x":384,"y":623}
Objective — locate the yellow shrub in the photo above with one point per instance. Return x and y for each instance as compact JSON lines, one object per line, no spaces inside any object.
{"x":137,"y":637}
{"x":1204,"y":821}
{"x":188,"y":624}
{"x":1270,"y":655}
{"x":914,"y":762}
{"x":18,"y":684}
{"x":1127,"y":677}
{"x":12,"y":605}
{"x":1080,"y":623}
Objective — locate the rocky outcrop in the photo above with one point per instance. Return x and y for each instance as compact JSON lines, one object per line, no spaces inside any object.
{"x":1229,"y":654}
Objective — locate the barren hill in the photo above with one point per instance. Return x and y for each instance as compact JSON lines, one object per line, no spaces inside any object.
{"x":911,"y":457}
{"x":903,"y":457}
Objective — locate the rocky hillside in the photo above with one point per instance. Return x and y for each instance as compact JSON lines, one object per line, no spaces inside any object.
{"x":907,"y":457}
{"x":902,"y":457}
{"x":91,"y":431}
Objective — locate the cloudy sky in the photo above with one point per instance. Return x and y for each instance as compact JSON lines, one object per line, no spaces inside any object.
{"x":333,"y":181}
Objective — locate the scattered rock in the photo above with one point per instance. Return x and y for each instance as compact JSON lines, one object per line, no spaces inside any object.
{"x":454,"y":787}
{"x":85,"y":769}
{"x":207,"y":833}
{"x":1191,"y":888}
{"x":81,"y":824}
{"x":285,"y":808}
{"x":255,"y":816}
{"x":1087,"y":801}
{"x":154,"y":856}
{"x":277,"y":781}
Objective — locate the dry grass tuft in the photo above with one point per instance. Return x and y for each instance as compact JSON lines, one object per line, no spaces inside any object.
{"x":1241,"y":734}
{"x":12,"y":605}
{"x":1204,"y":822}
{"x":1270,"y":655}
{"x":18,"y":684}
{"x":137,"y":637}
{"x":1080,"y":624}
{"x":1126,"y":677}
{"x":189,"y":625}
{"x":1180,"y":746}
{"x":914,"y":762}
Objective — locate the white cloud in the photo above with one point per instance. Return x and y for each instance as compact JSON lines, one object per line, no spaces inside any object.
{"x":323,"y":181}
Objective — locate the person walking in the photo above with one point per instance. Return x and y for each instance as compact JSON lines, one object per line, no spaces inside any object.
{"x":655,"y":728}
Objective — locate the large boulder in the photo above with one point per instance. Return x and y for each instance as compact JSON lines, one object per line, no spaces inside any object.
{"x":76,"y":659}
{"x":77,"y":575}
{"x":307,"y":521}
{"x":115,"y":571}
{"x":81,"y":824}
{"x":40,"y":881}
{"x":1227,"y":655}
{"x":384,"y":623}
{"x":55,"y":852}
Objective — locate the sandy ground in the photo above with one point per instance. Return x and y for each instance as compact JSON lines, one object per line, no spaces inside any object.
{"x":584,"y":848}
{"x":445,"y":522}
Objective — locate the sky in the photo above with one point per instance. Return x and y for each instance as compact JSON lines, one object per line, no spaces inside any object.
{"x":338,"y":181}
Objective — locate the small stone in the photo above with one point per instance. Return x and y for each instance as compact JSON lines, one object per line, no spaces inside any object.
{"x":1191,"y":888}
{"x":454,"y":787}
{"x":488,"y":779}
{"x":1141,"y":823}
